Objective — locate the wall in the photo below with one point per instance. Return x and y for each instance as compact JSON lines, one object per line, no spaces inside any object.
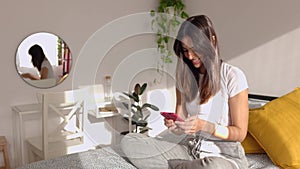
{"x":245,"y":29}
{"x":260,"y":37}
{"x":75,"y":21}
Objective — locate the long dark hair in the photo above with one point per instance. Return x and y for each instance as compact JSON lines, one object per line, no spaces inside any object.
{"x":37,"y":56}
{"x":205,"y":44}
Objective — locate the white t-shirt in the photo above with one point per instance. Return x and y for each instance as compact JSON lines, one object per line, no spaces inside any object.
{"x":216,"y":110}
{"x":47,"y":64}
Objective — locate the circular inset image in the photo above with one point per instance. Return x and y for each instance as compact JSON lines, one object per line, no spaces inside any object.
{"x":43,"y":60}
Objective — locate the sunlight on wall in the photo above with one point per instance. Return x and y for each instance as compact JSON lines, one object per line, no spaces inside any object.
{"x":272,"y":68}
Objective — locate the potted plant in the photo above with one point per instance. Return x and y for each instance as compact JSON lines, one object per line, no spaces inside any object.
{"x":137,"y":107}
{"x":165,"y":20}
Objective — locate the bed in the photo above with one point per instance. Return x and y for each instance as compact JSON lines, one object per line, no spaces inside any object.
{"x":113,"y":157}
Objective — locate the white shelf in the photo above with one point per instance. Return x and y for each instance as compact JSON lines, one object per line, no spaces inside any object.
{"x":103,"y":114}
{"x":27,"y":108}
{"x":108,"y":106}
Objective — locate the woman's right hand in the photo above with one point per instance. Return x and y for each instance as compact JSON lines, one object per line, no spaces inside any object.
{"x":25,"y":75}
{"x":169,"y":123}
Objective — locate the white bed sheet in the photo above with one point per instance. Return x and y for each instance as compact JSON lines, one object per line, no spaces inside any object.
{"x":260,"y":161}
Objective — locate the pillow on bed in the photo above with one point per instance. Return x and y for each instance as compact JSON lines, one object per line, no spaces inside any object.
{"x":276,"y":127}
{"x":251,"y":146}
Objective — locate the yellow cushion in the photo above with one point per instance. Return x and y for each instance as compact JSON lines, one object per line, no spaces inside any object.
{"x":276,"y":127}
{"x":251,"y":146}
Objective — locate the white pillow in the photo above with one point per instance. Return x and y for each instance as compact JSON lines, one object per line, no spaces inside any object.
{"x":32,"y":71}
{"x":254,"y":103}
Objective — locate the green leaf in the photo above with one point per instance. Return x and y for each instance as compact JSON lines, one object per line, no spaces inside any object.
{"x":167,"y":60}
{"x":132,"y":105}
{"x":139,"y":114}
{"x":184,"y":15}
{"x":139,"y":110}
{"x":134,"y":119}
{"x":135,"y":97}
{"x":126,"y":94}
{"x":162,"y":26}
{"x":147,"y":105}
{"x":145,"y":129}
{"x":131,"y":96}
{"x":159,"y":40}
{"x":166,"y":39}
{"x":147,"y":117}
{"x":162,"y":49}
{"x":137,"y":88}
{"x":152,"y":13}
{"x":142,"y":123}
{"x":143,"y":88}
{"x":180,"y":6}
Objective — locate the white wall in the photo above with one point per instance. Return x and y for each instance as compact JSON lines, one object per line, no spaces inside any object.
{"x":75,"y":21}
{"x":273,"y":68}
{"x":260,"y":37}
{"x":242,"y":27}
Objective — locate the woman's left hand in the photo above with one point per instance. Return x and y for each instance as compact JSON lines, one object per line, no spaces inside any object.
{"x":191,"y":125}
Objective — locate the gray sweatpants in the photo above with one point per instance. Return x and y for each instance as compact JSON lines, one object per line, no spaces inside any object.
{"x":168,"y":151}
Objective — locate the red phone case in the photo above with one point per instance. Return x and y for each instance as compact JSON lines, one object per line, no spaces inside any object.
{"x":170,"y":115}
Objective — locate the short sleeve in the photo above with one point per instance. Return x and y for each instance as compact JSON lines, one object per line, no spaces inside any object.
{"x":237,"y":81}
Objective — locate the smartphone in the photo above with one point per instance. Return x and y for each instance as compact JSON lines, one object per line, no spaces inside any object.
{"x":170,"y":115}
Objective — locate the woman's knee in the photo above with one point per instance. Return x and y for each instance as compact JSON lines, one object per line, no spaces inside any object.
{"x":132,"y":139}
{"x":133,"y":144}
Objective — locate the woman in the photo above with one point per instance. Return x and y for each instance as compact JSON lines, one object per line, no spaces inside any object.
{"x":212,"y":97}
{"x":40,"y":62}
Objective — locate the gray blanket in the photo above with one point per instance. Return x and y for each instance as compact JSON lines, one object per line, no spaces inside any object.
{"x":108,"y":158}
{"x":104,"y":158}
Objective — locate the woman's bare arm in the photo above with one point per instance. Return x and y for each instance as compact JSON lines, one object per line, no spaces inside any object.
{"x":30,"y":76}
{"x":180,"y":107}
{"x":44,"y":73}
{"x":237,"y":131}
{"x":239,"y":111}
